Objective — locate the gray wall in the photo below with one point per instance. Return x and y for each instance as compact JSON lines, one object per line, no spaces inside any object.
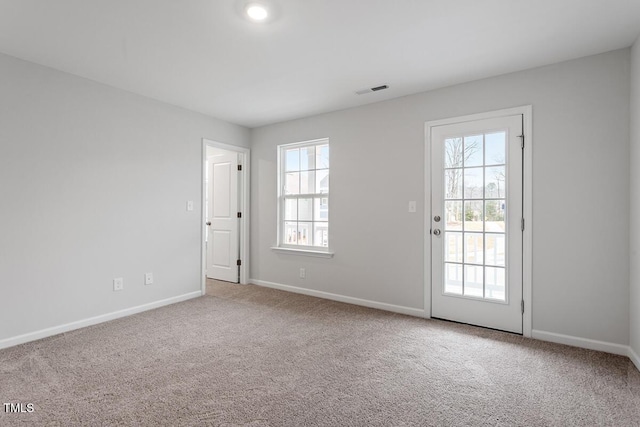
{"x":580,"y":190}
{"x":635,"y":198}
{"x":93,"y":185}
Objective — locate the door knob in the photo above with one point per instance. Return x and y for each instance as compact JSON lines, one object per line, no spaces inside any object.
{"x":436,"y":232}
{"x":208,"y":222}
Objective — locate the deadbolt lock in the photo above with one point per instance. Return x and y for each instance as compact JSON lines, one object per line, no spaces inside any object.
{"x":436,"y":218}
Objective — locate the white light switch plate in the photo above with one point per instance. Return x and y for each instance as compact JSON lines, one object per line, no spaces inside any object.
{"x":190,"y":205}
{"x":148,"y":278}
{"x":412,"y":206}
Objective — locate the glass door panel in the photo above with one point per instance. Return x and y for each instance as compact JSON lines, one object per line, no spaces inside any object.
{"x":476,"y":237}
{"x":476,"y":181}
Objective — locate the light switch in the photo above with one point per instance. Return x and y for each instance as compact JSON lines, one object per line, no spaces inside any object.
{"x":190,"y":205}
{"x":412,"y":206}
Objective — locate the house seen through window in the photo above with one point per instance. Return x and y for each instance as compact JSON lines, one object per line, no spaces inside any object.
{"x":304,"y":195}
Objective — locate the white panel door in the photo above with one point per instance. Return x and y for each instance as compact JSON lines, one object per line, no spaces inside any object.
{"x":222,"y":217}
{"x":476,"y":235}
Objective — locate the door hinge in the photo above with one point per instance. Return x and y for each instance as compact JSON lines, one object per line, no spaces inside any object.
{"x":521,"y":141}
{"x":522,"y":306}
{"x":238,"y":262}
{"x":239,"y":214}
{"x":239,"y":167}
{"x":522,"y":224}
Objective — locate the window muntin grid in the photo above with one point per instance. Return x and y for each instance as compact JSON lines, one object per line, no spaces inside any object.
{"x":475,"y":216}
{"x":304,"y":195}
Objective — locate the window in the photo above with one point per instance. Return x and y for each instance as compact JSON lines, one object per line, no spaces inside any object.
{"x":303,"y":196}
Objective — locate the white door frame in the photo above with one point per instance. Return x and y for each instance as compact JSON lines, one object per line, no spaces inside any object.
{"x":244,"y":204}
{"x":527,"y":242}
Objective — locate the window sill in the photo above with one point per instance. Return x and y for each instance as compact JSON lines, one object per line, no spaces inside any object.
{"x":304,"y":252}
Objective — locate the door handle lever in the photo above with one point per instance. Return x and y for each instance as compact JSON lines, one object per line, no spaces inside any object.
{"x":208,"y":222}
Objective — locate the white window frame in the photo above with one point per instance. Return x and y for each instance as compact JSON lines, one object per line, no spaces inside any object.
{"x":281,"y":247}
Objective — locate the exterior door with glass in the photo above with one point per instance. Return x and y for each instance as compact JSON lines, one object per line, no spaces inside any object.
{"x":476,"y":220}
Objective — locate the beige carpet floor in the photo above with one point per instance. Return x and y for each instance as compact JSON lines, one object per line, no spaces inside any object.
{"x":251,"y":356}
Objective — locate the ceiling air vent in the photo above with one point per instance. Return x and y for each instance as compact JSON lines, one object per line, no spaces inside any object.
{"x":372,"y":89}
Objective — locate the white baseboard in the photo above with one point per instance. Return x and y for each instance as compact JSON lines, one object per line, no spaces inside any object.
{"x":55,"y":330}
{"x":417,"y":312}
{"x":607,"y":347}
{"x":634,"y":357}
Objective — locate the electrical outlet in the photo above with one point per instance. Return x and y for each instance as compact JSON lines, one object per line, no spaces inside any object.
{"x":303,"y":273}
{"x":118,"y":284}
{"x":148,"y":278}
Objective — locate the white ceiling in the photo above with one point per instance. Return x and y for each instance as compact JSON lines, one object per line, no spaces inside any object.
{"x":313,"y":55}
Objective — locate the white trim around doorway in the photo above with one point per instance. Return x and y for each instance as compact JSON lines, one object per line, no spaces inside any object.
{"x":244,"y":204}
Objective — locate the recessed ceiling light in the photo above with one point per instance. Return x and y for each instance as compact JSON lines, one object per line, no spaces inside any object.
{"x":257,"y":12}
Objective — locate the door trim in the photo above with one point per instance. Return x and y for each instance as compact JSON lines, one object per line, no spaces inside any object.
{"x":244,"y":204}
{"x":527,"y":211}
